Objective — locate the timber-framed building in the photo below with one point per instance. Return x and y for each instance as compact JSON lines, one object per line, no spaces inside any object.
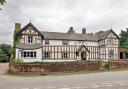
{"x":41,"y":46}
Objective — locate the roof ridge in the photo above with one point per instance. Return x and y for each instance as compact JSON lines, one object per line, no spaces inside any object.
{"x":51,"y":32}
{"x":67,"y":33}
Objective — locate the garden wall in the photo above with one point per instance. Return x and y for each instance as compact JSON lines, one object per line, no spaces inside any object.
{"x":118,"y":64}
{"x":55,"y":67}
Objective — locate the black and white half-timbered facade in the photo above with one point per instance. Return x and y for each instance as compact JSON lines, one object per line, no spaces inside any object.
{"x":41,"y":46}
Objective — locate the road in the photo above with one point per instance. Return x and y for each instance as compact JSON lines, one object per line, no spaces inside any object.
{"x":104,"y":80}
{"x":3,"y":68}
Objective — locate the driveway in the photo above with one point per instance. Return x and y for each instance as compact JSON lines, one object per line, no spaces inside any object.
{"x":3,"y":68}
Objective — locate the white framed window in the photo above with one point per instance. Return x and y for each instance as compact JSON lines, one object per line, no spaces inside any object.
{"x":64,"y":55}
{"x":47,"y":55}
{"x":81,"y":42}
{"x":75,"y":42}
{"x":64,"y":42}
{"x":28,"y":54}
{"x":110,"y":41}
{"x":111,"y":53}
{"x":102,"y":51}
{"x":30,"y":39}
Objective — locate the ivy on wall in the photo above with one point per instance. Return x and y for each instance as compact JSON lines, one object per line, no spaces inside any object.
{"x":16,"y":40}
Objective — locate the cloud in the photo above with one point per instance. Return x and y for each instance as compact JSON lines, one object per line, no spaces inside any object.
{"x":59,"y":15}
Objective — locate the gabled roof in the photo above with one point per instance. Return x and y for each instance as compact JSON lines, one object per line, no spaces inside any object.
{"x":66,"y":36}
{"x":80,"y":47}
{"x":25,"y":46}
{"x":34,"y":28}
{"x":77,"y":36}
{"x":105,"y":34}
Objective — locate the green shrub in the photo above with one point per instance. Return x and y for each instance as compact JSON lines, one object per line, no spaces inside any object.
{"x":104,"y":65}
{"x":17,"y":61}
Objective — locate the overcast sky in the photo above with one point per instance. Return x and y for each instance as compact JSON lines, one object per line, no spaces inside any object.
{"x":59,"y":15}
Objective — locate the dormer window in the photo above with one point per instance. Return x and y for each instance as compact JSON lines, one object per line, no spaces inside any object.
{"x":30,"y":39}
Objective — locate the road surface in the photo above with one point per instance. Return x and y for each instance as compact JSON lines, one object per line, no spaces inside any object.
{"x":104,"y":80}
{"x":3,"y":68}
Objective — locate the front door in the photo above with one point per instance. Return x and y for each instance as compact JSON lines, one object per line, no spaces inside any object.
{"x":121,"y":55}
{"x":83,"y":55}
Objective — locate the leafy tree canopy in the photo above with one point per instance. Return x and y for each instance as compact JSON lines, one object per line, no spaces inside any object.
{"x":123,"y":41}
{"x":1,"y":55}
{"x":99,"y":32}
{"x":2,"y":2}
{"x":5,"y":52}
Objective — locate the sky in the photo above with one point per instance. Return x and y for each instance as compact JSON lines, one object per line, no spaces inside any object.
{"x":59,"y":15}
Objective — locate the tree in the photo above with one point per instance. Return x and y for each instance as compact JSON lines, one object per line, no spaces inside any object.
{"x":1,"y":55}
{"x":2,"y":2}
{"x":99,"y":32}
{"x":5,"y":51}
{"x":123,"y":41}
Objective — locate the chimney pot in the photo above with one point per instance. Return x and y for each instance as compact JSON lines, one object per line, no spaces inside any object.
{"x":84,"y":31}
{"x":70,"y":31}
{"x":71,"y":28}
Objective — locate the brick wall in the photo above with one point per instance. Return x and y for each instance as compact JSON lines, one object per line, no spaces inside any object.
{"x":117,"y":64}
{"x":55,"y":67}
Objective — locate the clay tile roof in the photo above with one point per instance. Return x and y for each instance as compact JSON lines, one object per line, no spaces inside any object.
{"x":28,"y":46}
{"x":66,"y":36}
{"x":105,"y":34}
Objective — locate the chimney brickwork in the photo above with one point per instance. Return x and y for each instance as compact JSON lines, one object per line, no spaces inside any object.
{"x":17,"y":26}
{"x":84,"y":31}
{"x":71,"y":30}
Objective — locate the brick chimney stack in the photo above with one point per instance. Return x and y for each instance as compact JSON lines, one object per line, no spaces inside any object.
{"x":71,"y":30}
{"x":84,"y":31}
{"x":17,"y":26}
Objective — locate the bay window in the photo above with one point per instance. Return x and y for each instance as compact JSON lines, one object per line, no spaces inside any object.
{"x":28,"y":54}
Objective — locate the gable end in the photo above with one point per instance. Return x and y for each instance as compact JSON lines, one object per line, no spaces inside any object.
{"x":34,"y":28}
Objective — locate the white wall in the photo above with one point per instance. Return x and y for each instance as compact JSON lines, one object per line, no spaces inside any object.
{"x":37,"y":59}
{"x":91,"y":43}
{"x":55,"y":42}
{"x":87,"y":43}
